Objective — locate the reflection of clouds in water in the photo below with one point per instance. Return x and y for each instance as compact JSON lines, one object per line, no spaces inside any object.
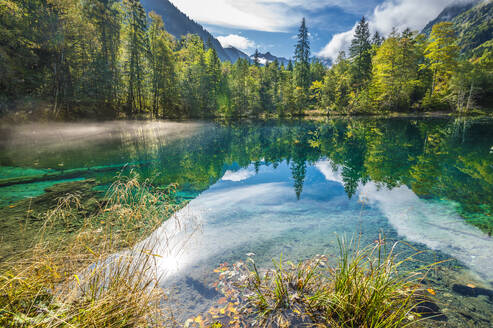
{"x":326,"y":168}
{"x":433,"y":223}
{"x":239,"y":175}
{"x":230,"y":217}
{"x":227,"y":217}
{"x":250,"y":216}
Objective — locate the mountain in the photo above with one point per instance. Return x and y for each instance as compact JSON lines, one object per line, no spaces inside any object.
{"x":235,"y":54}
{"x":473,"y":23}
{"x":327,"y":62}
{"x":448,"y":14}
{"x":475,"y":28}
{"x":269,"y":58}
{"x":178,"y":24}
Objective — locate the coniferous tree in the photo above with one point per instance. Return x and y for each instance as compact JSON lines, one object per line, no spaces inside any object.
{"x":163,"y":79}
{"x":92,"y":55}
{"x":360,"y":54}
{"x":302,"y":57}
{"x":213,"y":80}
{"x":107,"y":20}
{"x":377,"y":39}
{"x":290,"y":66}
{"x":302,"y":69}
{"x":136,"y":47}
{"x":256,"y":58}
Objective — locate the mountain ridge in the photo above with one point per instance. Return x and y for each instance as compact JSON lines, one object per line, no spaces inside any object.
{"x":179,"y":24}
{"x":236,"y":54}
{"x":473,"y":23}
{"x":266,"y":58}
{"x":448,"y":14}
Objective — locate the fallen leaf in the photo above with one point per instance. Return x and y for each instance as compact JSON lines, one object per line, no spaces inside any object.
{"x":200,"y":321}
{"x":223,"y":311}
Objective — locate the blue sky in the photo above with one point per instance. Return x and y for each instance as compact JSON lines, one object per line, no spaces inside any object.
{"x":271,"y":25}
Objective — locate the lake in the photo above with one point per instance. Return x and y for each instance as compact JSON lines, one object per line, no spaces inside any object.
{"x":289,"y":188}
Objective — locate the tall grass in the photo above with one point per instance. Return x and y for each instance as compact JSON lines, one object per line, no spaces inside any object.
{"x":72,"y":277}
{"x":367,"y":287}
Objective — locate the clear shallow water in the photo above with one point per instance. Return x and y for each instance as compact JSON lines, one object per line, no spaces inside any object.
{"x":292,"y":188}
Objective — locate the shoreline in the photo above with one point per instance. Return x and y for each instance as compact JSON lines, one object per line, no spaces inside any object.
{"x":46,"y":115}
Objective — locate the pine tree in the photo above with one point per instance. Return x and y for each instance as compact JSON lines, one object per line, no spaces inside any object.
{"x":302,"y":58}
{"x":360,"y":53}
{"x":107,"y":20}
{"x":213,"y":79}
{"x":290,"y":66}
{"x":377,"y":39}
{"x":136,"y":46}
{"x":256,"y":58}
{"x":163,"y":76}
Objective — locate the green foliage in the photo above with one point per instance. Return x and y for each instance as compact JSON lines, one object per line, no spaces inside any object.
{"x":396,"y":72}
{"x":108,"y":58}
{"x":442,"y":53}
{"x":474,"y":27}
{"x":302,"y":69}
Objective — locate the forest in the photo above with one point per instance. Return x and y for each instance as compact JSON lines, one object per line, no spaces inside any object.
{"x":110,"y":59}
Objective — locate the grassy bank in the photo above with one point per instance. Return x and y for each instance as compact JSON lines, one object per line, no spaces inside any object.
{"x":42,"y":112}
{"x":71,"y":278}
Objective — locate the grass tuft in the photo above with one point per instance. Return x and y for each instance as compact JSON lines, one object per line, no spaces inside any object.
{"x":366,"y":288}
{"x":82,"y":272}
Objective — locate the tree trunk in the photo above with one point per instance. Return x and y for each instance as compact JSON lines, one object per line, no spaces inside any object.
{"x":469,"y":99}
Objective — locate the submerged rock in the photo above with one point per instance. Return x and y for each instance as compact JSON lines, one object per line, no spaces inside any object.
{"x":20,"y":222}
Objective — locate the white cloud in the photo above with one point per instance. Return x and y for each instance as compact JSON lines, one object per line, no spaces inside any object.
{"x":339,"y":42}
{"x":237,"y":41}
{"x":242,"y":14}
{"x":262,"y":15}
{"x":238,"y":176}
{"x":262,"y":61}
{"x":413,"y":14}
{"x":327,"y":168}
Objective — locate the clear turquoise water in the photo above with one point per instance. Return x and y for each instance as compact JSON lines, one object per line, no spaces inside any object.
{"x":291,"y":188}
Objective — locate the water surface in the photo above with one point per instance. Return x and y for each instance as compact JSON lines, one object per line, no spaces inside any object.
{"x":291,"y":188}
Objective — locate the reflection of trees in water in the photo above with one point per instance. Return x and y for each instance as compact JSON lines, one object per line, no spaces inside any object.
{"x":436,"y":158}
